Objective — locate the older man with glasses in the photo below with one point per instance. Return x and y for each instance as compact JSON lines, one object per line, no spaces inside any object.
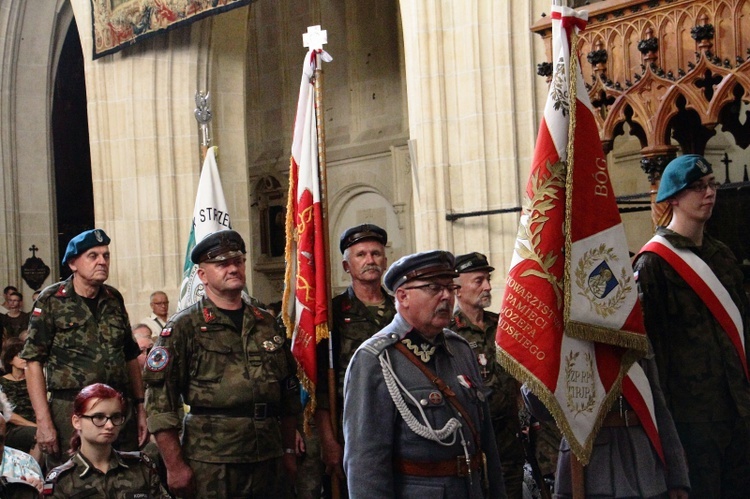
{"x":159,"y":303}
{"x":416,"y":418}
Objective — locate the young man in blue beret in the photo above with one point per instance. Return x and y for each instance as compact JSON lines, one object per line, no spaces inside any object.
{"x":416,"y":419}
{"x":79,"y":332}
{"x":696,"y":315}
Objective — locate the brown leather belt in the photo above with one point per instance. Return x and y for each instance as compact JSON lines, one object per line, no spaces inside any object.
{"x":449,"y":467}
{"x":617,"y":418}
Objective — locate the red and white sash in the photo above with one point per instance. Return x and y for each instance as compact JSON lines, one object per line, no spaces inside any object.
{"x":704,"y":282}
{"x":637,"y":391}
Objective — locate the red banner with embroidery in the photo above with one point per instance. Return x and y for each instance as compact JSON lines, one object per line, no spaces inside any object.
{"x":570,"y":324}
{"x":305,"y":304}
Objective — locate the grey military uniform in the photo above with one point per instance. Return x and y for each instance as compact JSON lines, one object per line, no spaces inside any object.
{"x":378,"y":437}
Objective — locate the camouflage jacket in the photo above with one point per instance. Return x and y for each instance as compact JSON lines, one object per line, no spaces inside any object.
{"x":237,"y":383}
{"x":130,"y":475}
{"x":353,"y":323}
{"x":699,"y":370}
{"x":78,"y":348}
{"x":503,"y":400}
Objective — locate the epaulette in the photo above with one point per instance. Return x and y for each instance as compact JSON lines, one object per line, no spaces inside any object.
{"x":492,"y":315}
{"x":450,"y":335}
{"x":130,"y":455}
{"x":56,"y":473}
{"x":380,"y":342}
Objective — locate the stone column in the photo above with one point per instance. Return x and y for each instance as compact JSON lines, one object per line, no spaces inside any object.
{"x":472,"y":118}
{"x":145,"y":148}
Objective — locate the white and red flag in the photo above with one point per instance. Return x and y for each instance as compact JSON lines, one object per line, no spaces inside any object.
{"x":571,"y":325}
{"x":210,"y":214}
{"x":305,"y":305}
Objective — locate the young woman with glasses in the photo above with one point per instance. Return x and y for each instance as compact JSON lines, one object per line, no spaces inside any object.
{"x":98,"y":415}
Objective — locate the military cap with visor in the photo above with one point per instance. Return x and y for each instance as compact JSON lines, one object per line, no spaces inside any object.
{"x":680,"y":173}
{"x":218,"y":246}
{"x":363,"y":232}
{"x":423,"y":266}
{"x":472,"y":262}
{"x":84,"y":242}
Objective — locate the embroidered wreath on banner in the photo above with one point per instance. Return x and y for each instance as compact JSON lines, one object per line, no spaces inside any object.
{"x":570,"y":362}
{"x":609,"y":306}
{"x":560,"y":89}
{"x":544,"y":198}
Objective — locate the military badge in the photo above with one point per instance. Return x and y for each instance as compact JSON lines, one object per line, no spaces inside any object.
{"x":435,"y":398}
{"x":269,"y":346}
{"x":208,"y":314}
{"x":37,"y":312}
{"x":158,"y":359}
{"x":48,"y":489}
{"x":167,"y":331}
{"x":98,"y":236}
{"x":347,"y":320}
{"x":278,"y":340}
{"x":61,"y":291}
{"x":423,"y":351}
{"x":258,"y":314}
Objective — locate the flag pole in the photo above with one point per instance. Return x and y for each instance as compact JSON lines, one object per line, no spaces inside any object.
{"x":203,"y":116}
{"x":315,"y":38}
{"x":578,"y":478}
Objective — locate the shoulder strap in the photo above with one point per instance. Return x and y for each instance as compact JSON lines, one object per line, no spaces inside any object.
{"x":446,"y":390}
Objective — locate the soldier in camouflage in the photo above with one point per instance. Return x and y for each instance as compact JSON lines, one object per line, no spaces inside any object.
{"x":229,"y":361}
{"x":479,"y":326}
{"x":79,"y":333}
{"x":359,"y":312}
{"x":96,"y":469}
{"x":701,"y":369}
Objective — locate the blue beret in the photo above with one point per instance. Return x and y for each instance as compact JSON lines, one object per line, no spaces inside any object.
{"x":84,"y":241}
{"x":680,"y":173}
{"x":425,"y":265}
{"x":363,"y":232}
{"x":218,"y":246}
{"x":472,"y":262}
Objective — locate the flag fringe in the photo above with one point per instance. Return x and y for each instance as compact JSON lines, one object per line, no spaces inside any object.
{"x":582,"y":451}
{"x":617,"y":337}
{"x":309,"y":411}
{"x":288,"y":270}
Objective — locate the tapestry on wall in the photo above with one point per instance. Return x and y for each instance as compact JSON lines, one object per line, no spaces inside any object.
{"x":120,"y":23}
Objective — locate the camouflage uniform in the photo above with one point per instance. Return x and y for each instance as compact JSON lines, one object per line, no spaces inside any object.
{"x":130,"y":474}
{"x":78,"y":348}
{"x":701,"y":375}
{"x":237,"y":384}
{"x":503,"y":400}
{"x":353,"y":323}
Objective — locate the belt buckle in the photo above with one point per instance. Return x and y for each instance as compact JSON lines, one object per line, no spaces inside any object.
{"x":260,"y":411}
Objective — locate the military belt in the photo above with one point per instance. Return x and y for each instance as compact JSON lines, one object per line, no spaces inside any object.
{"x":449,"y":467}
{"x":617,"y":418}
{"x":258,"y":412}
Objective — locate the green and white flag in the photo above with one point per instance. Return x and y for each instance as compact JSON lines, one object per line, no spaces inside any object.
{"x":209,"y":215}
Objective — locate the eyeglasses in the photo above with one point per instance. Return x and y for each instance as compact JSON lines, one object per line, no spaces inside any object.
{"x":100,"y":420}
{"x":434,"y":288}
{"x":701,"y":187}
